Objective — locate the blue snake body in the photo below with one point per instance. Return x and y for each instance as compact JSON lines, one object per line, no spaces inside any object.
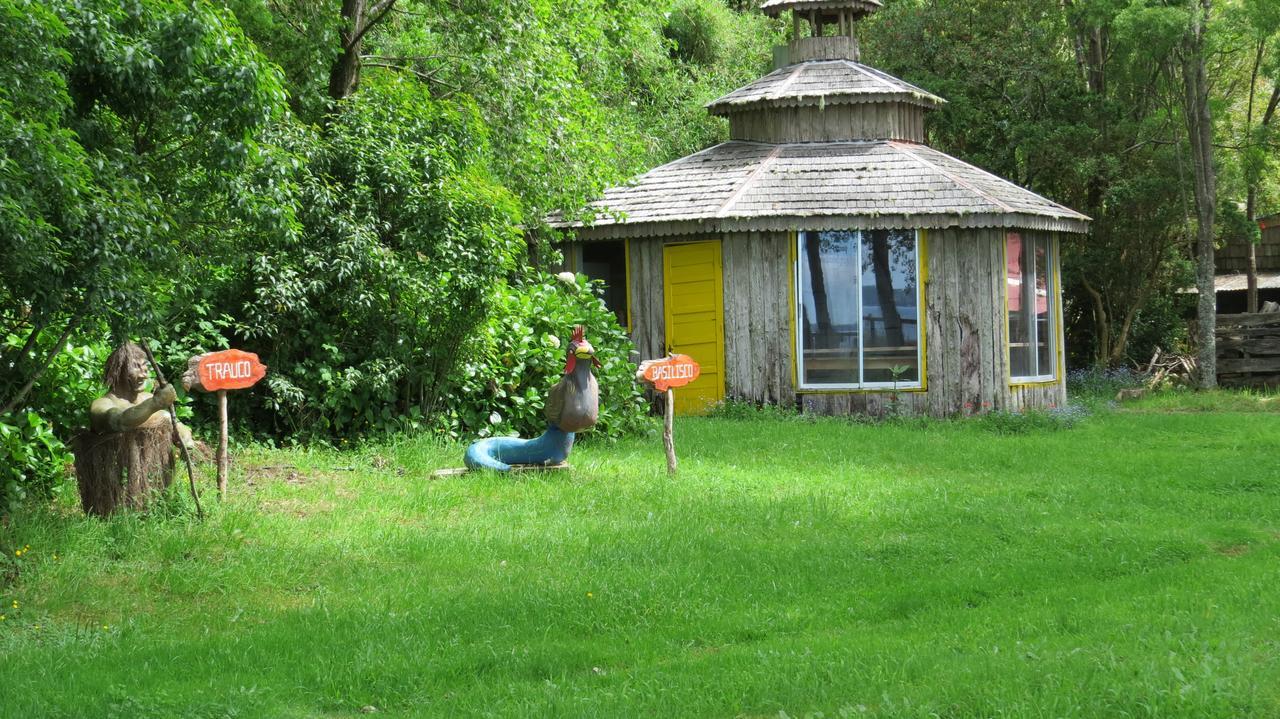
{"x":499,"y":453}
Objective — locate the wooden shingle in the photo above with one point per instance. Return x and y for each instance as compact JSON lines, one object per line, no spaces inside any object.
{"x":823,"y":82}
{"x":745,"y":186}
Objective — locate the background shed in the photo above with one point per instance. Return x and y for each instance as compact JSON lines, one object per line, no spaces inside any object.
{"x":826,"y":256}
{"x":1232,"y":262}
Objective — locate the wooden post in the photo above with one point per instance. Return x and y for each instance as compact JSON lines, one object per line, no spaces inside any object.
{"x":222,"y":444}
{"x":219,"y":372}
{"x":663,"y":375}
{"x":668,"y":438}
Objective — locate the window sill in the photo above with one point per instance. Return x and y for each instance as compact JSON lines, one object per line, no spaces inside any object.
{"x":915,"y":388}
{"x":1032,"y":381}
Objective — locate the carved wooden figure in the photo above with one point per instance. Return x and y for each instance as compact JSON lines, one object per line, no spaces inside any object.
{"x":126,"y":455}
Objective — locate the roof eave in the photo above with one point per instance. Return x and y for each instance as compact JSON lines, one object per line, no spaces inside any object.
{"x":1073,"y":223}
{"x":724,"y":108}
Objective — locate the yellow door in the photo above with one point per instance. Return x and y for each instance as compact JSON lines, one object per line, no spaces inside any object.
{"x":693,"y":299}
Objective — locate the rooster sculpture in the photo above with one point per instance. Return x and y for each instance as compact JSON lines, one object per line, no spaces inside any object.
{"x":573,"y":405}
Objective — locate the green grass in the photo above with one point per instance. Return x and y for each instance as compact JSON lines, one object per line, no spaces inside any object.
{"x":1128,"y":566}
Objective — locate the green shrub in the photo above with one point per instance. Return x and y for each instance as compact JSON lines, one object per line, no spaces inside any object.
{"x":503,"y":379}
{"x":744,"y":410}
{"x":1056,"y":418}
{"x":32,"y":459}
{"x":1103,"y":382}
{"x":391,"y":237}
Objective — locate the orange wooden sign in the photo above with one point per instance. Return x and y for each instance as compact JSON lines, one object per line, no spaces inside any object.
{"x":671,"y":371}
{"x":229,"y":369}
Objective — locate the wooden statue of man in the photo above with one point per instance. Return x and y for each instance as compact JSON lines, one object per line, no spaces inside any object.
{"x":127,"y":454}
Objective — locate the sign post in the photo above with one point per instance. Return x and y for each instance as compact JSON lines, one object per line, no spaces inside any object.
{"x":219,"y":372}
{"x":664,"y":375}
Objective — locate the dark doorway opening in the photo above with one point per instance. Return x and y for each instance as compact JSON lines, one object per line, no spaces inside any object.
{"x":607,"y":261}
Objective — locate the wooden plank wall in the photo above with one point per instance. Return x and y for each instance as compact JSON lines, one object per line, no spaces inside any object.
{"x":1249,"y":350}
{"x":966,"y":362}
{"x":862,"y":121}
{"x":757,"y":309}
{"x":648,"y":327}
{"x":1235,"y":256}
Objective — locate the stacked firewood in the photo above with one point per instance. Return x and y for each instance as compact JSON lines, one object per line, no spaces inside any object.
{"x":1169,"y":368}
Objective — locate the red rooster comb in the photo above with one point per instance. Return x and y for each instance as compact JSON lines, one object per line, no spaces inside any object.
{"x":579,"y":337}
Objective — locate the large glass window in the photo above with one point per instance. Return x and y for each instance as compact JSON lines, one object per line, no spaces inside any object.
{"x":859,"y":307}
{"x":1030,"y":293}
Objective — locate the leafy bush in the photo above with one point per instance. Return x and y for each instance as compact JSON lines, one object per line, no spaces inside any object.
{"x":743,"y":410}
{"x":379,"y":268}
{"x":502,"y":382}
{"x":1103,"y":381}
{"x":696,"y":29}
{"x":32,"y":459}
{"x":72,"y":381}
{"x":1053,"y":419}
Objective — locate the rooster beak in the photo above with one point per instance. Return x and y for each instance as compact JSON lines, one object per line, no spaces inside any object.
{"x":584,"y":350}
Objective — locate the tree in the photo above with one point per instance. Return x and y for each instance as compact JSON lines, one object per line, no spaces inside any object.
{"x":125,"y":129}
{"x":1200,"y":132}
{"x":358,"y":18}
{"x":1259,"y":23}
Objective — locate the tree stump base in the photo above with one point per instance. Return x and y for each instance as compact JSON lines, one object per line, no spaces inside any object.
{"x":122,"y":469}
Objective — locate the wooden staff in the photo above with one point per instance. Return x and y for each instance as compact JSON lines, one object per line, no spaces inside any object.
{"x":222,"y":444}
{"x":173,"y":419}
{"x":668,"y":435}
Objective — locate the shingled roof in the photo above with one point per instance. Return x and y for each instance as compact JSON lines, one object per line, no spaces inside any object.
{"x":740,"y":186}
{"x":822,"y":82}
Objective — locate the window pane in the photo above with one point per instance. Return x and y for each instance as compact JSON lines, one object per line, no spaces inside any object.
{"x":890,"y":328}
{"x":1044,"y":311}
{"x":829,"y":297}
{"x":1018,"y":285}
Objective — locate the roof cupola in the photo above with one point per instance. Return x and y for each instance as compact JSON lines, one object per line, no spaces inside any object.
{"x":819,"y":91}
{"x":830,"y":22}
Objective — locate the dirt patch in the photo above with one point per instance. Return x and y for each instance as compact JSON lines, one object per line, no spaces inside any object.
{"x":297,"y":507}
{"x":286,"y":473}
{"x":1232,"y":550}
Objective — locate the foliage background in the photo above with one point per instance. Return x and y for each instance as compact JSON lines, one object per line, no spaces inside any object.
{"x":179,"y":171}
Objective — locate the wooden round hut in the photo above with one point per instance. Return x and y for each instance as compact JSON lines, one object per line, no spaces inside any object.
{"x":826,"y":256}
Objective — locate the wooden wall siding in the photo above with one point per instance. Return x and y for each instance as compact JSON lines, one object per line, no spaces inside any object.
{"x":1235,"y":256}
{"x":967,"y":368}
{"x":648,"y":328}
{"x":966,"y":360}
{"x":834,"y":123}
{"x":831,"y":47}
{"x":757,"y":309}
{"x":1249,"y":350}
{"x":965,"y":322}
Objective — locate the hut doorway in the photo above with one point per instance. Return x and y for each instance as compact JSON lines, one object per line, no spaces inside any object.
{"x":693,"y":301}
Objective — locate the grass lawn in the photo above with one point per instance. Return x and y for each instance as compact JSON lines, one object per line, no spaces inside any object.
{"x":1129,"y":566}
